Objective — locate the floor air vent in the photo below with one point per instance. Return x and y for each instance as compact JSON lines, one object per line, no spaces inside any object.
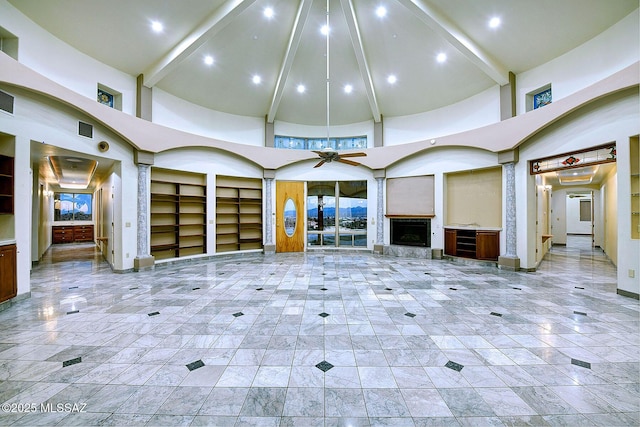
{"x":6,"y":102}
{"x":85,"y":129}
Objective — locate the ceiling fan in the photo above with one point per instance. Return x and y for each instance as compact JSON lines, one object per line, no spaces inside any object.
{"x":329,"y":155}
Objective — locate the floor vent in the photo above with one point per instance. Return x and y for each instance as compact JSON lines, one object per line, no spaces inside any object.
{"x":6,"y":102}
{"x":85,"y":129}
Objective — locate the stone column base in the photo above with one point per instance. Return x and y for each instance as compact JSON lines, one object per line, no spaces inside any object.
{"x":509,"y":263}
{"x":269,"y":249}
{"x":144,"y":263}
{"x":378,"y":249}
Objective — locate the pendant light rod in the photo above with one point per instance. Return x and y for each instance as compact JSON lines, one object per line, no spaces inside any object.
{"x":328,"y":102}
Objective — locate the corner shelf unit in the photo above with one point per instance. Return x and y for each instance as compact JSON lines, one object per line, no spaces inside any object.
{"x":238,"y":214}
{"x":178,"y":214}
{"x":6,"y":184}
{"x":634,"y":151}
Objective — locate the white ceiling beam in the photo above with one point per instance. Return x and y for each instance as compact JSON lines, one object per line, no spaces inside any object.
{"x":363,"y":64}
{"x":454,"y":35}
{"x":219,"y":19}
{"x":294,"y":41}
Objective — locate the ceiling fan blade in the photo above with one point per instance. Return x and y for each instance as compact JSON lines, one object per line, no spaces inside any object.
{"x":323,"y":154}
{"x":353,"y":154}
{"x":348,"y":162}
{"x":322,"y":162}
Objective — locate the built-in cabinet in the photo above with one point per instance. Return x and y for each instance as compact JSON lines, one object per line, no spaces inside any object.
{"x":6,"y":184}
{"x":238,"y":214}
{"x":482,"y":244}
{"x":8,"y":278}
{"x":72,"y":233}
{"x":178,"y":214}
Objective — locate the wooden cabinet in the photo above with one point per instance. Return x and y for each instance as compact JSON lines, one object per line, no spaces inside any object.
{"x":450,"y":242}
{"x":472,"y":243}
{"x":83,"y":233}
{"x":238,"y":214}
{"x":6,"y":184}
{"x":178,"y":214}
{"x":8,"y":278}
{"x":72,"y":233}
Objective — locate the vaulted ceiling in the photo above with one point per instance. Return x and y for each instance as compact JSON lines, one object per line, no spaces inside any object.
{"x":288,"y":49}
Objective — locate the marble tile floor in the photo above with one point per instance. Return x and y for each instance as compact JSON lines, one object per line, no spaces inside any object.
{"x":321,"y":339}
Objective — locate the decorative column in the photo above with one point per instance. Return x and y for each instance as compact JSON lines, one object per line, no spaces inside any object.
{"x":378,"y":247}
{"x":269,"y":244}
{"x":510,"y":260}
{"x":143,"y":260}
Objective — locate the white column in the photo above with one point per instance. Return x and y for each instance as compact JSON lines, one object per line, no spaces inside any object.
{"x":143,"y":260}
{"x":510,"y":260}
{"x":268,"y":240}
{"x":510,"y":210}
{"x":143,"y":211}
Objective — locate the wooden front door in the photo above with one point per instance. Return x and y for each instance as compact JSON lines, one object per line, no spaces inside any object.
{"x":289,"y":216}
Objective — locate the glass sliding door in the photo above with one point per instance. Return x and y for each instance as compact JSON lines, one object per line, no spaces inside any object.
{"x":340,"y":221}
{"x":321,"y":213}
{"x":352,"y":210}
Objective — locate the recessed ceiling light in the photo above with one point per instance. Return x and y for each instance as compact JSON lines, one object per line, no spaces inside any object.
{"x":442,"y":57}
{"x":324,"y":30}
{"x":268,"y":12}
{"x":381,"y":11}
{"x":256,"y":79}
{"x":301,"y":88}
{"x":348,"y":89}
{"x":157,"y":26}
{"x":494,"y":22}
{"x":392,"y":79}
{"x":208,"y":60}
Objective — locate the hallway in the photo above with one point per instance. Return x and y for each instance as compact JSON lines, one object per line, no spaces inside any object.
{"x":329,"y":338}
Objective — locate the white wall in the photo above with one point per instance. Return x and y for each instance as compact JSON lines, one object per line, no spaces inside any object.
{"x":614,"y":118}
{"x":176,"y":113}
{"x":474,"y":112}
{"x":437,"y":162}
{"x":54,"y":59}
{"x":610,"y":51}
{"x":574,"y":225}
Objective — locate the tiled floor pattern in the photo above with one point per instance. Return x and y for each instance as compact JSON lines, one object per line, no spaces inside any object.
{"x":321,"y":339}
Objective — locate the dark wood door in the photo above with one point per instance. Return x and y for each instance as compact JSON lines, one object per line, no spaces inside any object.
{"x":8,"y":280}
{"x":487,"y":245}
{"x":450,"y":242}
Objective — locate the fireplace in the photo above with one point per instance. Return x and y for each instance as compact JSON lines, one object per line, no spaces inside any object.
{"x":411,"y":232}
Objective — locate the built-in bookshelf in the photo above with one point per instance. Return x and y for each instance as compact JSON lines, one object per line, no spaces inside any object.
{"x":634,"y":151}
{"x":6,"y":184}
{"x":238,"y":214}
{"x":178,"y":214}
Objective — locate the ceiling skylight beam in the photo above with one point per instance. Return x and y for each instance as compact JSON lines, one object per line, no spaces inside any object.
{"x":294,"y":41}
{"x":213,"y":24}
{"x":363,"y":65}
{"x":454,"y":35}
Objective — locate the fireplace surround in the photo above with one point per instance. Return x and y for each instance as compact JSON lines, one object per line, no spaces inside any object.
{"x":411,"y":232}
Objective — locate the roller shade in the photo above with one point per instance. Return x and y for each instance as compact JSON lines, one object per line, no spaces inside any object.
{"x":410,"y":196}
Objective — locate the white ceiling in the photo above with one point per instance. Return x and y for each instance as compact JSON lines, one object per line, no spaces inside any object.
{"x":364,"y":49}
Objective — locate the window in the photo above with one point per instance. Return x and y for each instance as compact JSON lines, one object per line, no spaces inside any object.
{"x":72,"y":207}
{"x":295,"y":143}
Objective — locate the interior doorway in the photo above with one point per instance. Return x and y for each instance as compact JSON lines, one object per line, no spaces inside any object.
{"x":579,"y":217}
